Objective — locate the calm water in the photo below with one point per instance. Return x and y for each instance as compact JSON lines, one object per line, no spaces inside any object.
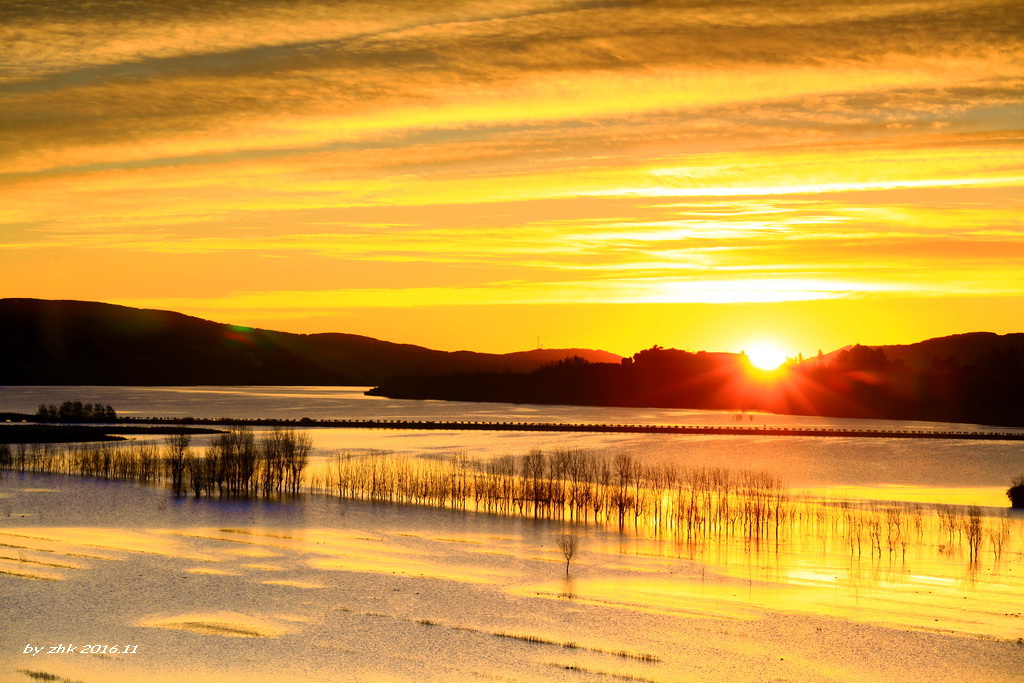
{"x":888,"y":468}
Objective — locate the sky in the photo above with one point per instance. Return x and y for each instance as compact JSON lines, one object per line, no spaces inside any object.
{"x":498,"y":176}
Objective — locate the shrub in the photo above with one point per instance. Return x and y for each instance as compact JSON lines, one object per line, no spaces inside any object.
{"x":1016,"y":492}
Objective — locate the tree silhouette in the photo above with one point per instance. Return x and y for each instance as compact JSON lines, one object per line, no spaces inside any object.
{"x":1016,"y":492}
{"x":177,"y":456}
{"x":568,"y":544}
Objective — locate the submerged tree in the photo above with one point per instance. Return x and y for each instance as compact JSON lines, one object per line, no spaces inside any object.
{"x":568,"y":544}
{"x":177,"y":456}
{"x":974,"y":530}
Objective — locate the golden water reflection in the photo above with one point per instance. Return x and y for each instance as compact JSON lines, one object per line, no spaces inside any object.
{"x":926,"y":586}
{"x":986,"y":496}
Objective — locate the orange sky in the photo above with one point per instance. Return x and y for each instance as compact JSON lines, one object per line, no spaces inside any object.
{"x":477,"y":175}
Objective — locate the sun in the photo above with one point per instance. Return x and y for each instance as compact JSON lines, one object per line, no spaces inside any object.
{"x":766,"y":356}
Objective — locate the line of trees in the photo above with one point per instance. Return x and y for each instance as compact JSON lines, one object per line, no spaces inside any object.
{"x":236,"y":463}
{"x":76,"y":411}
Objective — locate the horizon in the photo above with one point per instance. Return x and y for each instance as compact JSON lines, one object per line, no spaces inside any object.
{"x":721,"y":178}
{"x":766,"y":356}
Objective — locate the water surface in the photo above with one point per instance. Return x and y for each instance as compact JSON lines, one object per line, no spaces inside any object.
{"x":956,"y":471}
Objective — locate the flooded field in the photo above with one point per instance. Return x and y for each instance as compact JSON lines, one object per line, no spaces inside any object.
{"x":322,"y":589}
{"x":435,"y":556}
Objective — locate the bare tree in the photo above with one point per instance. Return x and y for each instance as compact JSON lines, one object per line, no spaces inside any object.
{"x":975,"y":531}
{"x":177,"y":455}
{"x":296,"y":447}
{"x":568,"y":544}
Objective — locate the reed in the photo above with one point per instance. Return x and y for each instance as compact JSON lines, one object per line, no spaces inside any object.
{"x":691,"y":505}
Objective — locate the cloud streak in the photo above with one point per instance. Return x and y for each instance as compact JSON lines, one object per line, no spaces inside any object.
{"x":528,"y":153}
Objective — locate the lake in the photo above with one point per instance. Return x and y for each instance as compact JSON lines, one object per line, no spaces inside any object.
{"x":927,"y":470}
{"x":317,"y":588}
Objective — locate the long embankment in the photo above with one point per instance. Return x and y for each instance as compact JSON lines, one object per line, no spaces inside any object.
{"x":706,"y":430}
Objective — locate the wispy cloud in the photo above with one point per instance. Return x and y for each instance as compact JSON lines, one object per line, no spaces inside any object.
{"x":540,"y":151}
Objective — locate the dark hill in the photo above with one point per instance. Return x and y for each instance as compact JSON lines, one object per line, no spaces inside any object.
{"x":980,"y":385}
{"x":981,"y":351}
{"x":78,"y":342}
{"x":970,"y":351}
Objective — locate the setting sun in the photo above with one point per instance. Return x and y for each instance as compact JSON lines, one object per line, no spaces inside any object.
{"x":526,"y":332}
{"x":766,"y":356}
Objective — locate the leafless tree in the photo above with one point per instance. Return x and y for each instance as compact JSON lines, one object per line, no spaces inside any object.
{"x":975,"y":531}
{"x":568,"y":544}
{"x":177,"y":455}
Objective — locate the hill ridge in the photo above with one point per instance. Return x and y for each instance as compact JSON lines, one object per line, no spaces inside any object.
{"x":65,"y":341}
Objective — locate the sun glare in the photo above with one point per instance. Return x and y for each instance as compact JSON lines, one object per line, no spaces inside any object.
{"x":766,"y":356}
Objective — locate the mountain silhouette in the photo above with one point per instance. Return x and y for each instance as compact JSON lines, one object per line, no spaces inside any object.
{"x":90,"y":343}
{"x":972,"y":350}
{"x":974,"y":378}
